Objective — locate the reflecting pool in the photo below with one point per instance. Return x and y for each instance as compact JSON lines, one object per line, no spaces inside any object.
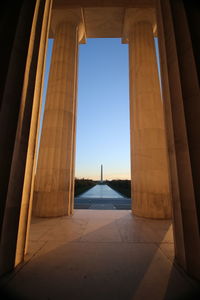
{"x":101,"y":191}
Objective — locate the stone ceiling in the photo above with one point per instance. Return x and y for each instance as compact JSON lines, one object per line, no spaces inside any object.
{"x":102,"y":19}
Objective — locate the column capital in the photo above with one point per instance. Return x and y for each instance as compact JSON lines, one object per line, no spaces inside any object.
{"x":136,"y":15}
{"x":70,"y":15}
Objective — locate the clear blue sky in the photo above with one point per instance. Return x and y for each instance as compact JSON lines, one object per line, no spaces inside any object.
{"x":103,"y":134}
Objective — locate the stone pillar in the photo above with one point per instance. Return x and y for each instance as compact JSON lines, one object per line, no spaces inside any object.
{"x":149,"y":162}
{"x":13,"y":61}
{"x":180,"y":82}
{"x":74,"y":151}
{"x":53,"y":177}
{"x":18,"y":117}
{"x":29,"y":174}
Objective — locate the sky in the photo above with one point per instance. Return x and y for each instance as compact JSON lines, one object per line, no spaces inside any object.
{"x":103,"y":130}
{"x":103,"y":134}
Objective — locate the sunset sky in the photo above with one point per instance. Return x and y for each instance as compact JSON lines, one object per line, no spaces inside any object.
{"x":103,"y":135}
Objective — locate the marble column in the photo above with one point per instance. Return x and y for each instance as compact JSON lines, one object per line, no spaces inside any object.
{"x":179,"y":68}
{"x":74,"y":151}
{"x":54,"y":171}
{"x":18,"y":119}
{"x":29,"y":175}
{"x":149,"y":163}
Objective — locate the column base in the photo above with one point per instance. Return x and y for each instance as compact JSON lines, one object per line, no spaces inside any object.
{"x":50,"y":204}
{"x":152,"y":206}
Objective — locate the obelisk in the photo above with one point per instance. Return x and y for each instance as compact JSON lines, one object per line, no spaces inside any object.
{"x":101,"y":173}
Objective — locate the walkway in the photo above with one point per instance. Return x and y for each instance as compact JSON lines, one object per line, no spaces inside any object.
{"x":101,"y":196}
{"x":100,"y":255}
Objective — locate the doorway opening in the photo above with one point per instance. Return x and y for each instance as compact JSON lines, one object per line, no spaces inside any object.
{"x":102,"y":176}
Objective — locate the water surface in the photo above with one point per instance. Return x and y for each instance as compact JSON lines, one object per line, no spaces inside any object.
{"x":101,"y":191}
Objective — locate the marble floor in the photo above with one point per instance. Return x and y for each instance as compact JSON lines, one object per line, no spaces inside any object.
{"x":103,"y":255}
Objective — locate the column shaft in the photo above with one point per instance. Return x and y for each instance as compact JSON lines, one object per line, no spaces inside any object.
{"x":181,"y":94}
{"x":71,"y":208}
{"x":18,"y":118}
{"x":53,"y":178}
{"x":149,"y":165}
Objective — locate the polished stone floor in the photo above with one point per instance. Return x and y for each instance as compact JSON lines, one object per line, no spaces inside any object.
{"x":103,"y":255}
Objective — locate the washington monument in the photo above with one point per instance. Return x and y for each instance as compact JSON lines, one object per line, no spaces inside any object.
{"x":101,"y":173}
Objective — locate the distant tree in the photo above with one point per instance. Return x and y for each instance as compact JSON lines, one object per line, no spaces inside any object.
{"x":121,"y":186}
{"x":82,"y":185}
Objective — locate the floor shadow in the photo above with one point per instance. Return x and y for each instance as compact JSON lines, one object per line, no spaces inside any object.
{"x":100,"y":255}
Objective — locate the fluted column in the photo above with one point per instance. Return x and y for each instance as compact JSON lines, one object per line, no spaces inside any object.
{"x":18,"y":117}
{"x":53,"y":177}
{"x":149,"y":164}
{"x":179,"y":67}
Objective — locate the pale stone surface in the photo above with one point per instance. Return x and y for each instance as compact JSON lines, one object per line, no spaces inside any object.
{"x":149,"y":165}
{"x":100,"y":21}
{"x":104,"y":22}
{"x":88,"y":256}
{"x":70,"y":15}
{"x":52,"y":195}
{"x":21,"y":101}
{"x":181,"y":98}
{"x":26,"y":205}
{"x":135,"y":15}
